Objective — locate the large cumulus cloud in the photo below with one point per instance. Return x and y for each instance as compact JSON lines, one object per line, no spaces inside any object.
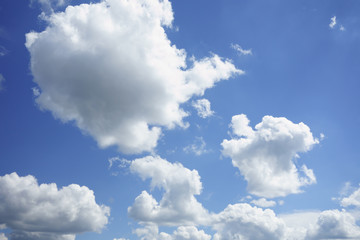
{"x":43,"y":211}
{"x":110,"y":68}
{"x":265,"y":156}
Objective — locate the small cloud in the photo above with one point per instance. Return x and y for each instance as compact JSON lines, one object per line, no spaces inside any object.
{"x":122,"y":163}
{"x":281,"y":202}
{"x":342,"y":28}
{"x":198,"y":147}
{"x":332,"y":22}
{"x":2,"y":80}
{"x":203,"y":108}
{"x":322,"y":136}
{"x":36,"y":91}
{"x":262,"y":202}
{"x":240,"y":50}
{"x":3,"y":51}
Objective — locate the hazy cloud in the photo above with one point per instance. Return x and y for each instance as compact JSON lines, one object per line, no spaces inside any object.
{"x":262,"y":202}
{"x":2,"y":80}
{"x":3,"y":237}
{"x":3,"y":51}
{"x":198,"y":147}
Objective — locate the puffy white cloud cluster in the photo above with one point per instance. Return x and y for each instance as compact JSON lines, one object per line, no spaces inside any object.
{"x":203,"y":108}
{"x":265,"y":156}
{"x":110,"y":68}
{"x":178,"y":205}
{"x":335,"y":224}
{"x":151,"y":232}
{"x":43,"y":211}
{"x":242,"y":221}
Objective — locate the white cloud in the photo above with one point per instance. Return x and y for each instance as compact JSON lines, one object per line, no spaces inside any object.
{"x":2,"y":80}
{"x":151,"y":232}
{"x":342,"y":28}
{"x":3,"y":237}
{"x":332,"y":22}
{"x":262,"y":202}
{"x":242,"y":221}
{"x":178,"y":205}
{"x":43,"y":211}
{"x":265,"y":155}
{"x":240,"y":50}
{"x":335,"y":224}
{"x":110,"y":68}
{"x":352,"y":200}
{"x":198,"y":147}
{"x":203,"y":108}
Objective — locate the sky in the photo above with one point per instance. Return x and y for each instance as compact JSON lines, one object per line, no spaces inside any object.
{"x":175,"y":120}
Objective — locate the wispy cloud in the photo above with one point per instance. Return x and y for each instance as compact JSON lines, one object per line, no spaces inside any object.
{"x":198,"y":147}
{"x":2,"y":80}
{"x":240,"y":50}
{"x":332,"y":22}
{"x":3,"y":51}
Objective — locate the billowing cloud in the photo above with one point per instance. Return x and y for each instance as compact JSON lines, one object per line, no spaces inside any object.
{"x":203,"y":108}
{"x":181,"y":233}
{"x":265,"y":156}
{"x":335,"y":224}
{"x":110,"y":68}
{"x":178,"y":205}
{"x":198,"y":147}
{"x":262,"y":202}
{"x":352,"y":200}
{"x":242,"y":221}
{"x":240,"y":50}
{"x":43,"y":211}
{"x":332,"y":22}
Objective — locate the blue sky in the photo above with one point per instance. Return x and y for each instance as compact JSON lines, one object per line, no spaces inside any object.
{"x":179,"y":120}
